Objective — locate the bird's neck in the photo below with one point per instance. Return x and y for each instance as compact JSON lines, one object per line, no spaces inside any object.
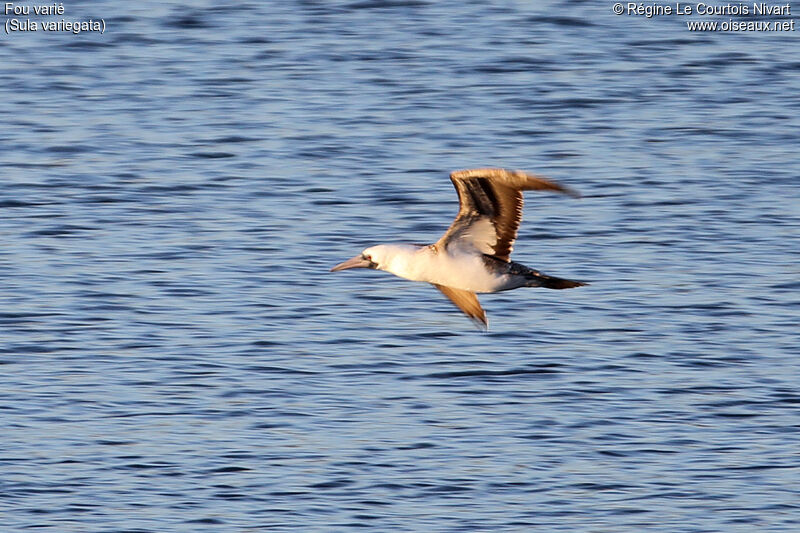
{"x":404,"y":260}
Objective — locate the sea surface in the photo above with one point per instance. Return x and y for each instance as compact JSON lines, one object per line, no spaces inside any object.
{"x":175,"y":355}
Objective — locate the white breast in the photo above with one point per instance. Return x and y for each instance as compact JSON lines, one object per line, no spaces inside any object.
{"x":465,"y":271}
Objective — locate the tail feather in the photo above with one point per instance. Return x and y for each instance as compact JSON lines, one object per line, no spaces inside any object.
{"x":537,"y":279}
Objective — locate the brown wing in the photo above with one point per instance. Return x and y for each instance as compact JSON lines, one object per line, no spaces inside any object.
{"x":466,"y":301}
{"x":491,"y":208}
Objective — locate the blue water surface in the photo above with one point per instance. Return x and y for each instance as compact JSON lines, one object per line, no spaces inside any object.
{"x":176,"y":357}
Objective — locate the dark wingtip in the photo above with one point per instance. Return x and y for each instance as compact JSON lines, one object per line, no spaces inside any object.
{"x":570,"y":192}
{"x":481,"y":323}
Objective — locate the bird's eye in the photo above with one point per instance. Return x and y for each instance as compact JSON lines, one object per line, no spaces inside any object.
{"x":366,"y":257}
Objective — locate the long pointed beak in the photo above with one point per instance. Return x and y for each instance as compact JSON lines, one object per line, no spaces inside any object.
{"x":356,"y":262}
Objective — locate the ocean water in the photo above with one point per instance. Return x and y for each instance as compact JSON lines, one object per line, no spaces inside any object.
{"x":175,"y":355}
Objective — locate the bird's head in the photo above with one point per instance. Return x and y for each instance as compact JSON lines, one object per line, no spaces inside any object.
{"x":373,"y":257}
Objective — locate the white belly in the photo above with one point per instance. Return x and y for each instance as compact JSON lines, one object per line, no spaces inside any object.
{"x":461,"y":271}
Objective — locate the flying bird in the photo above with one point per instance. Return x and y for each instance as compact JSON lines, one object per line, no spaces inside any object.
{"x":474,"y":253}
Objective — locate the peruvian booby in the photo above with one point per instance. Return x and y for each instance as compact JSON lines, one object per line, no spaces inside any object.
{"x":474,"y":253}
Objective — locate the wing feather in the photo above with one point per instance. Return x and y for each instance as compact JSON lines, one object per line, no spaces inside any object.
{"x":467,"y":301}
{"x":491,"y":208}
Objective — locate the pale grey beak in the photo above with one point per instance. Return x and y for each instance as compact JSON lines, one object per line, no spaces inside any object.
{"x":356,"y":262}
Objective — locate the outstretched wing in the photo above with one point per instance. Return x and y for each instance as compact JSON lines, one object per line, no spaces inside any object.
{"x":491,"y":209}
{"x":467,"y":301}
